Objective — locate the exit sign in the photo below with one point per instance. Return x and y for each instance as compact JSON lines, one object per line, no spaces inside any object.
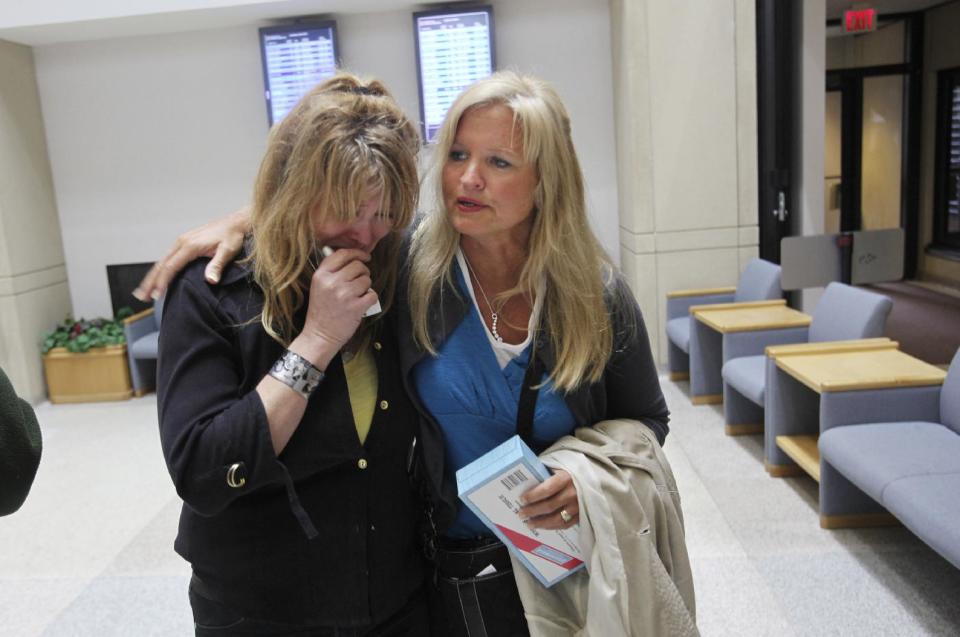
{"x":859,"y":20}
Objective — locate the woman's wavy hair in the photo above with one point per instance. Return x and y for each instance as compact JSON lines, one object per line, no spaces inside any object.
{"x":342,"y":140}
{"x":563,"y":252}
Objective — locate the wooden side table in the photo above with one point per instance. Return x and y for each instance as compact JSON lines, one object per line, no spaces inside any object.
{"x":713,"y":327}
{"x":801,"y":377}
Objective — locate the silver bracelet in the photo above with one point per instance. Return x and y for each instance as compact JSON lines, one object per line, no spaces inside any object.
{"x":296,"y":372}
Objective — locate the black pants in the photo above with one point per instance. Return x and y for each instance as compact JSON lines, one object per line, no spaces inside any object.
{"x":463,"y":604}
{"x":213,"y":619}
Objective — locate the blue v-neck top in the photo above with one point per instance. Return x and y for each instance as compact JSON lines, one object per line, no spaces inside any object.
{"x":475,"y":402}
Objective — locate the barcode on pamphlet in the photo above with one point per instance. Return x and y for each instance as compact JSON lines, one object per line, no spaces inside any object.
{"x":514,"y":479}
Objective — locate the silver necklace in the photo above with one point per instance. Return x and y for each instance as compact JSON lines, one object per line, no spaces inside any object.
{"x":493,"y":315}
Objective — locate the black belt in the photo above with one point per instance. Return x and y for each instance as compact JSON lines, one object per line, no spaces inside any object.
{"x":461,"y":559}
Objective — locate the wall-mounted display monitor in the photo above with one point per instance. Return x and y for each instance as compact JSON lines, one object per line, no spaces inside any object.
{"x":296,"y":57}
{"x":454,"y":49}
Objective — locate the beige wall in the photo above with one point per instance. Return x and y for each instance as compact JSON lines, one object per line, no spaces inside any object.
{"x":135,"y":187}
{"x":942,"y":51}
{"x":832,"y":166}
{"x":685,"y":110}
{"x":33,"y":281}
{"x":882,"y":152}
{"x":883,"y":46}
{"x":812,"y":118}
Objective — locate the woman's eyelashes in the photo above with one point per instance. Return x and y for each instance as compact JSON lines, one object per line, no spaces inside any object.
{"x":494,"y":160}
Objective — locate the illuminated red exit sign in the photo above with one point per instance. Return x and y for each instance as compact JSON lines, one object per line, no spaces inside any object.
{"x":859,"y":20}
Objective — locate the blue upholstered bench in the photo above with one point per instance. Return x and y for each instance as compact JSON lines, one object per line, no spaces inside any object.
{"x":842,"y":313}
{"x":142,"y":331}
{"x":759,"y":281}
{"x":898,"y":449}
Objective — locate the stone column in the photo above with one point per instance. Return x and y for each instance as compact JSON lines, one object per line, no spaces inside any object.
{"x":686,"y":127}
{"x":33,"y":280}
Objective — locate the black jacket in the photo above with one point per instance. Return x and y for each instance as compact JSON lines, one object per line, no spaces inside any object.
{"x":630,"y":387}
{"x":20,"y":447}
{"x":324,"y":533}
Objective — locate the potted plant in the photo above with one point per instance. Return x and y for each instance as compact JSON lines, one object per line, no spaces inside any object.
{"x":86,"y":360}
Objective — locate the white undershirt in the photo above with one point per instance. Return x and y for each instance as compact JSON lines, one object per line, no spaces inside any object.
{"x":505,"y":352}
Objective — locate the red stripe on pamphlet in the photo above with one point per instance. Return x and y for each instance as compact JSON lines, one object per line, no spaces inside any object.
{"x":530,"y":545}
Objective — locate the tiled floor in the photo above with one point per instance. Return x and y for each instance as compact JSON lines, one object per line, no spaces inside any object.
{"x":91,"y":551}
{"x":762,"y":564}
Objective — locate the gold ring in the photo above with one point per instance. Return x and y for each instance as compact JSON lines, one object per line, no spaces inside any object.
{"x":566,"y":517}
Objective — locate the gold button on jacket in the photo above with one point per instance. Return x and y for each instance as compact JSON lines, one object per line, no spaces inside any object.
{"x":362,"y":463}
{"x":232,"y":479}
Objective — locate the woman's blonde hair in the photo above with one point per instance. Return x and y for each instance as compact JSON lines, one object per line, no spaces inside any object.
{"x":344,"y":139}
{"x":563,"y":251}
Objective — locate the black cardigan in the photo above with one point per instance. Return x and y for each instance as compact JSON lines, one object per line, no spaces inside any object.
{"x":323,"y":534}
{"x":20,"y":447}
{"x":630,"y":387}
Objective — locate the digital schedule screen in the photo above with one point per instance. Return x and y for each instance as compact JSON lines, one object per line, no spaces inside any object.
{"x":296,"y":57}
{"x":454,"y":49}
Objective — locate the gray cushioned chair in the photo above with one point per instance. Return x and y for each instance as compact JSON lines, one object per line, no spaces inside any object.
{"x":843,"y":313}
{"x":142,"y":331}
{"x":759,"y":281}
{"x":896,"y":449}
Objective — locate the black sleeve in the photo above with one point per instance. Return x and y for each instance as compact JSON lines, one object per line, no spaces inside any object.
{"x":20,"y":447}
{"x":206,"y":424}
{"x":632,"y":383}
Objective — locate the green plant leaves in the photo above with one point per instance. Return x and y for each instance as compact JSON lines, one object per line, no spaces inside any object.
{"x":80,"y":336}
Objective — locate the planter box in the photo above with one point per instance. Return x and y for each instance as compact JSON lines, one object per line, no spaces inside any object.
{"x":96,"y":375}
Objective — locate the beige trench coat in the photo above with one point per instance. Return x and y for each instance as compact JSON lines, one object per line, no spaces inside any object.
{"x":637,"y":579}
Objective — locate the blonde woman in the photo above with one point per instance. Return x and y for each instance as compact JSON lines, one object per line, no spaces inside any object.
{"x":283,"y":418}
{"x":507,"y":275}
{"x":504,"y":274}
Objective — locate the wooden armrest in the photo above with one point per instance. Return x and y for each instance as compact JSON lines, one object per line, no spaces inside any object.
{"x":920,"y":380}
{"x":699,"y":292}
{"x":139,"y":315}
{"x":825,"y":347}
{"x":738,"y":306}
{"x":855,"y":370}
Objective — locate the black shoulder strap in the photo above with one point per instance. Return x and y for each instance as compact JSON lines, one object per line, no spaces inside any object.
{"x":528,"y":396}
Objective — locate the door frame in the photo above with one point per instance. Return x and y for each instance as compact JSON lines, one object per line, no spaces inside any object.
{"x":850,"y":83}
{"x":779,"y":42}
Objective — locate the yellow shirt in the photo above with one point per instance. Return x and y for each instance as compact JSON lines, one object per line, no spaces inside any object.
{"x":361,"y":372}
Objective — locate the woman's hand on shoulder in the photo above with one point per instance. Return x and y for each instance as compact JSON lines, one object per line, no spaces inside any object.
{"x":552,"y":504}
{"x":221,"y":239}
